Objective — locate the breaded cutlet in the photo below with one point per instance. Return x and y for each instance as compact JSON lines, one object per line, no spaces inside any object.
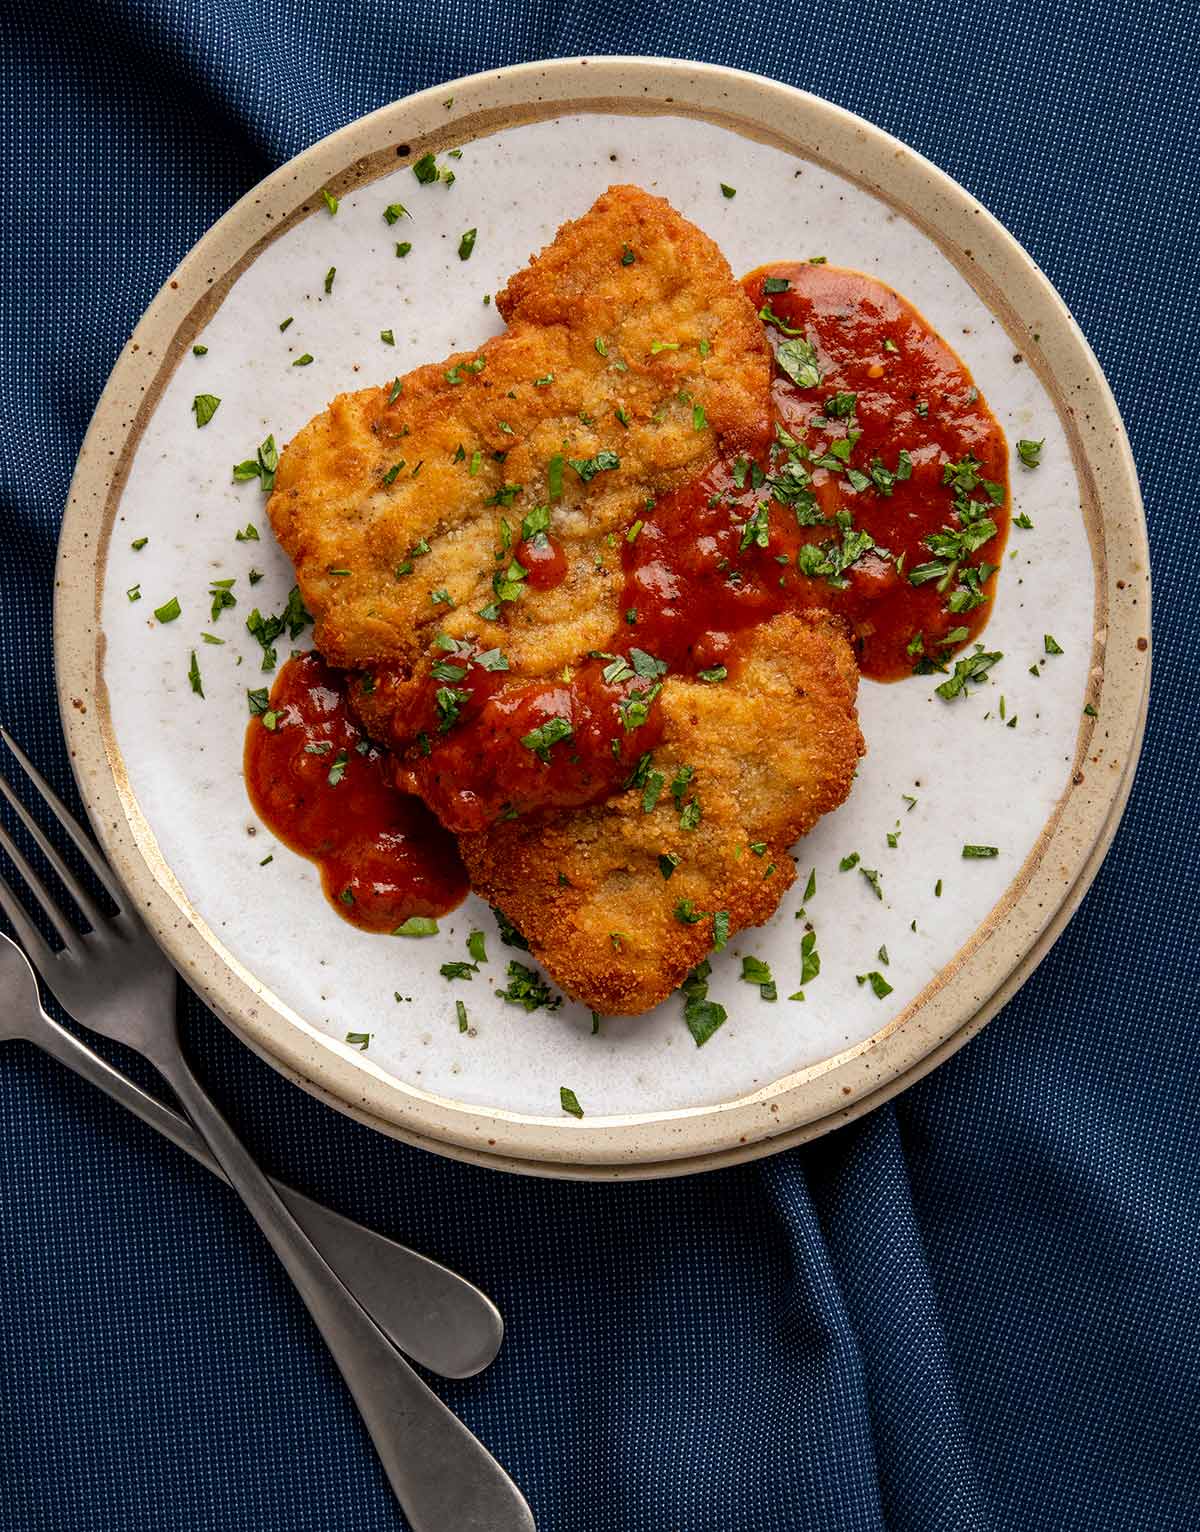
{"x":771,"y":750}
{"x":627,"y":336}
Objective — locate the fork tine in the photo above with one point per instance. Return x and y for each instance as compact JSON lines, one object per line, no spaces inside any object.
{"x":83,"y":841}
{"x":36,"y":948}
{"x":92,"y":911}
{"x":37,"y":888}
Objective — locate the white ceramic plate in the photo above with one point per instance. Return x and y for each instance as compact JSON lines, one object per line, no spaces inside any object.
{"x":162,"y":768}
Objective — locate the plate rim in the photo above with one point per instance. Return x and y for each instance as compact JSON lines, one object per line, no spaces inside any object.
{"x":968,"y":990}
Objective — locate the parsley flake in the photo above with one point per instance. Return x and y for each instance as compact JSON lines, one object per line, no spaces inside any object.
{"x":205,"y":407}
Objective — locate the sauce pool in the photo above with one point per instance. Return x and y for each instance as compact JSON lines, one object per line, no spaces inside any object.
{"x":318,"y":783}
{"x":892,"y":391}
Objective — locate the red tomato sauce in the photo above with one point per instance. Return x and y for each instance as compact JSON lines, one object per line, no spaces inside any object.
{"x":885,"y":375}
{"x":881,"y":494}
{"x":489,"y":746}
{"x":318,"y":783}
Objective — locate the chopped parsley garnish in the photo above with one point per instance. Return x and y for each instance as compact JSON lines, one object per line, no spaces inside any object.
{"x":394,"y":212}
{"x":329,"y":276}
{"x":466,"y":244}
{"x":973,"y":668}
{"x":667,"y":863}
{"x":135,"y":592}
{"x":1050,"y":644}
{"x":756,"y":529}
{"x":527,"y":989}
{"x":458,"y":970}
{"x":199,"y":350}
{"x":877,"y":982}
{"x":425,"y":169}
{"x":1029,"y":452}
{"x":417,"y":925}
{"x":712,"y":675}
{"x":539,"y":740}
{"x":587,"y":468}
{"x":449,"y":701}
{"x":687,"y":913}
{"x":755,"y":971}
{"x":476,"y":946}
{"x":222,"y":597}
{"x":169,"y":610}
{"x":509,"y":934}
{"x":847,"y":862}
{"x":690,"y":814}
{"x":359,"y":1040}
{"x":248,"y":535}
{"x":460,"y":1011}
{"x":205,"y":407}
{"x":699,"y":419}
{"x":387,"y":337}
{"x":331,"y":202}
{"x":1023,"y":522}
{"x":651,"y":793}
{"x":194,"y":676}
{"x":257,"y":701}
{"x":294,"y":617}
{"x":303,"y":361}
{"x":728,"y":191}
{"x":569,"y":1101}
{"x":139,"y":543}
{"x":776,"y":285}
{"x":627,"y":256}
{"x":810,"y":888}
{"x":872,"y":876}
{"x":810,"y":958}
{"x":338,"y":770}
{"x":403,"y":246}
{"x":283,"y":323}
{"x":701,"y":1015}
{"x":798,"y":358}
{"x":980,"y":853}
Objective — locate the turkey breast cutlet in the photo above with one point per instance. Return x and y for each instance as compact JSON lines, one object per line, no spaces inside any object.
{"x":631,"y":360}
{"x":620,"y":899}
{"x":384,"y":503}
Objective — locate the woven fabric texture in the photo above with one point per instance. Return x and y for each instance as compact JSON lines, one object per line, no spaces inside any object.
{"x":977,"y":1310}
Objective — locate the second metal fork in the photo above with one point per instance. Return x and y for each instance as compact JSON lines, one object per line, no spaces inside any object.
{"x":113,"y":979}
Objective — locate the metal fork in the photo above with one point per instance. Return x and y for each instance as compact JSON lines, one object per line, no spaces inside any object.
{"x":431,"y":1313}
{"x":114,"y":980}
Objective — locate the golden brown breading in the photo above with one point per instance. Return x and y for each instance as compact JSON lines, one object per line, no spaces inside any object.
{"x":584,"y":325}
{"x":773,"y":748}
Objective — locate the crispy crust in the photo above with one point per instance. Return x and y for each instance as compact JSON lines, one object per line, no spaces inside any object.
{"x":331,"y":508}
{"x":775,"y":747}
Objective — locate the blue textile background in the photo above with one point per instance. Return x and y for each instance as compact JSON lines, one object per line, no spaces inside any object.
{"x":978,"y":1309}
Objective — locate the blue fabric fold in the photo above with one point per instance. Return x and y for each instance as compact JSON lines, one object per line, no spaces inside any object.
{"x":975,"y":1311}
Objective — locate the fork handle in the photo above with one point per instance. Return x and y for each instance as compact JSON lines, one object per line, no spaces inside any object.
{"x":431,"y":1313}
{"x":443,"y":1477}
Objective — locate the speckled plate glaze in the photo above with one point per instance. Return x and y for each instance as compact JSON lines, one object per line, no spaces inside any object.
{"x":160,"y":767}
